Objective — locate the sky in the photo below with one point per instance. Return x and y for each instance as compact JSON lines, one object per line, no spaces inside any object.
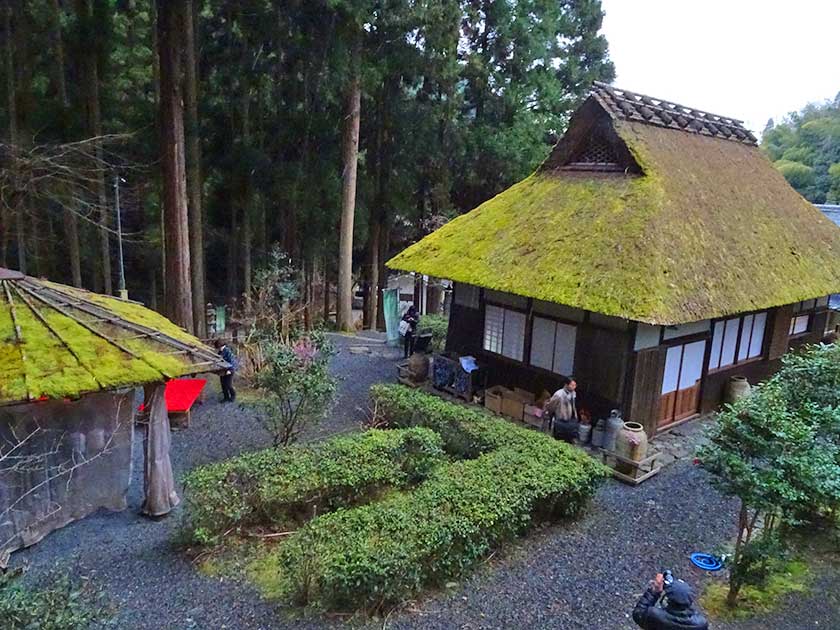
{"x":747,"y":59}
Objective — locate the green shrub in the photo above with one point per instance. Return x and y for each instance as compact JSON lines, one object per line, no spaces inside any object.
{"x":467,"y":432}
{"x":60,"y":606}
{"x":438,"y":325}
{"x":778,"y":452}
{"x":380,"y":553}
{"x":283,"y":487}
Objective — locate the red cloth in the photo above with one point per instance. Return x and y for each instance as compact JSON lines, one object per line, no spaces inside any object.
{"x":180,"y":394}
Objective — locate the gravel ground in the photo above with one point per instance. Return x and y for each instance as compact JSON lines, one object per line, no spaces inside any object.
{"x":585,"y":573}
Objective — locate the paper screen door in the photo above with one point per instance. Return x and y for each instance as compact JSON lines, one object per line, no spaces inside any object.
{"x":681,"y":382}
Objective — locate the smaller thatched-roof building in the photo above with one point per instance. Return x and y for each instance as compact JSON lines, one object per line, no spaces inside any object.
{"x":70,"y":361}
{"x":655,"y":254}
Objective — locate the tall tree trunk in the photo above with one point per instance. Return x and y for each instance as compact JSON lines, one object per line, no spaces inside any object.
{"x":153,"y":288}
{"x":247,"y":242}
{"x":194,"y":181}
{"x":20,"y":231}
{"x":232,"y":263}
{"x":173,"y":166}
{"x":58,"y":50}
{"x":71,"y":223}
{"x":246,"y":199}
{"x":348,"y":194}
{"x":307,"y":292}
{"x":9,"y":67}
{"x":93,"y":119}
{"x":15,"y":42}
{"x":326,"y":272}
{"x":373,"y":270}
{"x":384,"y":246}
{"x":71,"y":232}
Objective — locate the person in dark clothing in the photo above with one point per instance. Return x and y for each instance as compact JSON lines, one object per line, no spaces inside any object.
{"x":412,"y":319}
{"x":226,"y":378}
{"x":678,"y":614}
{"x":560,"y":412}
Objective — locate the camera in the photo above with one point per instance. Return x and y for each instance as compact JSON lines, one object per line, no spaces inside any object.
{"x":667,"y":577}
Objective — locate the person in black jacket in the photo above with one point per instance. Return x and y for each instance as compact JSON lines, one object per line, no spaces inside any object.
{"x":228,"y":392}
{"x":411,"y":318}
{"x":678,"y":614}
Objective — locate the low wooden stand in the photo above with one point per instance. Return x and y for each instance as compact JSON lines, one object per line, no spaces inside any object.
{"x":641,"y":470}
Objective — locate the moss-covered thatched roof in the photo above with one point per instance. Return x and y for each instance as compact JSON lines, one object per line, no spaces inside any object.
{"x":61,"y":342}
{"x":698,"y":226}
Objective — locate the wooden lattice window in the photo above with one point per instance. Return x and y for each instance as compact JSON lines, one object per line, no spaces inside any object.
{"x":596,"y":154}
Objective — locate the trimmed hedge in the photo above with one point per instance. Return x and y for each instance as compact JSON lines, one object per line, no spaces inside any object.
{"x":381,"y":553}
{"x":284,"y":487}
{"x":467,"y":432}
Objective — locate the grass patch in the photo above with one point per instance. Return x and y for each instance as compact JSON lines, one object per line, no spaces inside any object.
{"x":793,"y":576}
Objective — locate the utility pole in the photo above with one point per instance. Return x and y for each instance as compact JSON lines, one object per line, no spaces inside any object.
{"x":123,"y":291}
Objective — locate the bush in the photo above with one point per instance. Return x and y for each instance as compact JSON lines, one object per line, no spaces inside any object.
{"x":467,"y":432}
{"x":283,"y":487}
{"x":60,"y":606}
{"x":438,"y":325}
{"x":380,"y":553}
{"x":295,"y":385}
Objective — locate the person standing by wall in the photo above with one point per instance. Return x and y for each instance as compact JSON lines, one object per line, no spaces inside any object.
{"x":561,"y":414}
{"x":408,"y":328}
{"x":226,"y":378}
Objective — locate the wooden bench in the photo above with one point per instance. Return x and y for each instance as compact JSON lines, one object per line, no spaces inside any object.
{"x":639,"y":471}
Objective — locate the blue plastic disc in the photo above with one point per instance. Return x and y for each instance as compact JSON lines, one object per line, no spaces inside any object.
{"x":707,"y":561}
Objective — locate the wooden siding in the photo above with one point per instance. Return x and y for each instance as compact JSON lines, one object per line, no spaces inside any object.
{"x":466,"y":330}
{"x":714,"y":385}
{"x":611,"y":375}
{"x":647,"y":386}
{"x":779,"y":327}
{"x":601,"y":361}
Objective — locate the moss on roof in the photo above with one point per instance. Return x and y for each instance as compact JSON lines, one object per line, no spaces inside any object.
{"x":70,"y":342}
{"x":709,"y":229}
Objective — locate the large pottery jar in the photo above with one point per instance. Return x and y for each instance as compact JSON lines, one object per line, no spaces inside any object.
{"x":737,"y":388}
{"x":631,"y":443}
{"x":418,"y":367}
{"x":614,"y":424}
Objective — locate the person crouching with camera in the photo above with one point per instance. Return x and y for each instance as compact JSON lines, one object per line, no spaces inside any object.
{"x":678,"y":613}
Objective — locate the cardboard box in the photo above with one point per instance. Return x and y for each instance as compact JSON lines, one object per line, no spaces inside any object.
{"x":525,"y":395}
{"x":513,"y":405}
{"x":493,"y":397}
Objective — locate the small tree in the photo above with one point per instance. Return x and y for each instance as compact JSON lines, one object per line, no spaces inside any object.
{"x":295,"y":385}
{"x":778,"y":452}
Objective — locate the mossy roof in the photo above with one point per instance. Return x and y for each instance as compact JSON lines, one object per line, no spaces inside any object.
{"x":708,"y":228}
{"x":60,"y":342}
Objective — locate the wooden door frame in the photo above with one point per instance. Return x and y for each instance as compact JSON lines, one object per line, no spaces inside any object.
{"x":682,"y":342}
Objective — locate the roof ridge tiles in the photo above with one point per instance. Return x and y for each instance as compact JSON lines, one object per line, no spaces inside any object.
{"x":627,"y":105}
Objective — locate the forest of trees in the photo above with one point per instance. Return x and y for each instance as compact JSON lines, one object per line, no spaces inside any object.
{"x":805,"y":147}
{"x":339,"y":129}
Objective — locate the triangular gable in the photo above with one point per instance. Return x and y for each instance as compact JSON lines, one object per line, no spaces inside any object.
{"x":591,"y":144}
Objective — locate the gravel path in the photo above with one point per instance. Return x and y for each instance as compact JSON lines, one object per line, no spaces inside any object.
{"x":131,"y":558}
{"x":582,"y":574}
